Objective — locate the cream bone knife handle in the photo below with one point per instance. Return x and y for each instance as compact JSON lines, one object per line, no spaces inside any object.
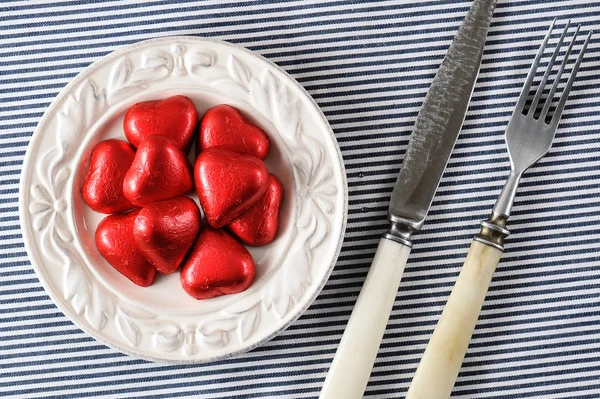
{"x":443,"y":357}
{"x":354,"y":359}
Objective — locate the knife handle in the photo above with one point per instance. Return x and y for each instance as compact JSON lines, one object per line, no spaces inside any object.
{"x":355,"y":356}
{"x":443,"y":357}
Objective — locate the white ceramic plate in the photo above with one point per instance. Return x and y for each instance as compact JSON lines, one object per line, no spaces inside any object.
{"x":161,"y":323}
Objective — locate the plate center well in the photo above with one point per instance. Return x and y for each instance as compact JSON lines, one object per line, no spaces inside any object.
{"x":166,"y":293}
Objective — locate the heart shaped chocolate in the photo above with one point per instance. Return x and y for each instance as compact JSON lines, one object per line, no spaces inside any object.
{"x":164,"y":231}
{"x":114,"y":240}
{"x":217,"y":265}
{"x":224,"y":126}
{"x":228,"y":183}
{"x":174,"y":117}
{"x":160,"y":171}
{"x":259,"y":224}
{"x":103,"y":185}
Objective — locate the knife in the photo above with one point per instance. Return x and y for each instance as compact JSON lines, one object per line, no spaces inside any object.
{"x":430,"y":145}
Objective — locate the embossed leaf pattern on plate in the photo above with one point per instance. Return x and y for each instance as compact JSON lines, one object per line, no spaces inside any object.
{"x":49,"y":211}
{"x":129,"y":74}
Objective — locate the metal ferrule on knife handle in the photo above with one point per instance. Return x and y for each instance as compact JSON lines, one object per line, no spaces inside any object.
{"x":432,"y":140}
{"x":400,"y":232}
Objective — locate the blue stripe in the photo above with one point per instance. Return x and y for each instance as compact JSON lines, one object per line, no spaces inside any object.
{"x":395,"y":17}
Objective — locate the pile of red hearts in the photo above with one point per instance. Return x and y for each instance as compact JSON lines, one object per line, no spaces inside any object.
{"x":154,"y":227}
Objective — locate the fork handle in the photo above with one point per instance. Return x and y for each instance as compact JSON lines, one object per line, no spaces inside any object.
{"x":441,"y":362}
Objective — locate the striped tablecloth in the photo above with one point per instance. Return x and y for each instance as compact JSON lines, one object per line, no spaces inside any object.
{"x":368,"y":64}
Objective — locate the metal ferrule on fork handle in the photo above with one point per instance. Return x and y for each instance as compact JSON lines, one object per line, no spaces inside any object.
{"x":493,"y":231}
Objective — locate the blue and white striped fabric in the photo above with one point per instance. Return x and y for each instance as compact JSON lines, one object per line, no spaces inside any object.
{"x":368,"y":64}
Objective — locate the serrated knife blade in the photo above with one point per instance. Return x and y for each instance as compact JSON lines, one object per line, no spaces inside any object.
{"x":431,"y":142}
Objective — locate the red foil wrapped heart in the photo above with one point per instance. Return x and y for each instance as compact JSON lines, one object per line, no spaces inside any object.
{"x":103,"y":185}
{"x":160,"y":171}
{"x":224,"y":126}
{"x":174,"y":117}
{"x":115,"y":242}
{"x":228,"y":183}
{"x":259,"y":224}
{"x":217,"y":265}
{"x":165,"y":231}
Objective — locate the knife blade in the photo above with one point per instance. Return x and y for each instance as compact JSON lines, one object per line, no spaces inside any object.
{"x":431,"y":142}
{"x":440,"y":119}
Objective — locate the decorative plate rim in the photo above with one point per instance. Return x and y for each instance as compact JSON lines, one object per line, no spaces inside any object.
{"x":30,"y":248}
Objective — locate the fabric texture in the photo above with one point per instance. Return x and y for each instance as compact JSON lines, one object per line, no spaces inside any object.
{"x":368,"y":64}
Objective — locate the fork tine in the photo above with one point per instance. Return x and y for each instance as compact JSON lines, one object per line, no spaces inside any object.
{"x":563,"y":99}
{"x":544,"y":113}
{"x":527,"y":86}
{"x":540,"y":90}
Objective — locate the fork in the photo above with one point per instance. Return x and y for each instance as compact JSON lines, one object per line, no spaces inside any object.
{"x":529,"y":136}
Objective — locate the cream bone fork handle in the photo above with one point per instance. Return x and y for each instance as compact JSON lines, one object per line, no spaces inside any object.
{"x":431,"y":142}
{"x":529,"y":136}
